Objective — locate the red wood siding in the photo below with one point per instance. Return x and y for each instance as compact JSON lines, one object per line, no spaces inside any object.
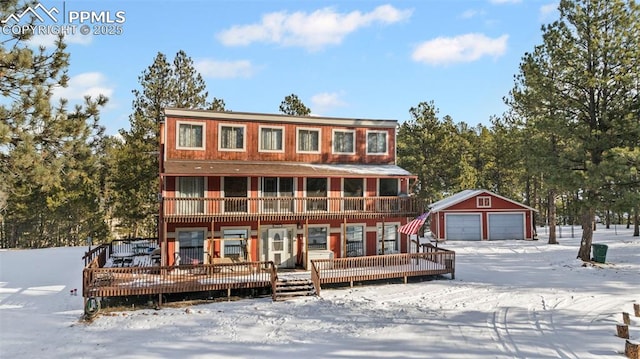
{"x":251,"y":151}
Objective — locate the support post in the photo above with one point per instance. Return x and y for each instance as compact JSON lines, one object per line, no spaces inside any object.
{"x":636,"y":309}
{"x":622,"y":331}
{"x":631,"y":350}
{"x":625,"y":318}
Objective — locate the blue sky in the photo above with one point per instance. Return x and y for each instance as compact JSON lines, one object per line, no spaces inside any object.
{"x":357,"y":59}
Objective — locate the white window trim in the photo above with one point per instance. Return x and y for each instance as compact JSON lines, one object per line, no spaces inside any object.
{"x":244,"y":137}
{"x":333,"y":137}
{"x":260,"y":139}
{"x":380,"y":225}
{"x":316,"y":129}
{"x":328,"y":227}
{"x":364,"y":237}
{"x":481,"y":199}
{"x":386,"y":152}
{"x":204,"y":135}
{"x":223,"y":238}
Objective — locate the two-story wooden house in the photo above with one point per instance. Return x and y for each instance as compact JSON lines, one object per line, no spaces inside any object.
{"x":261,"y":187}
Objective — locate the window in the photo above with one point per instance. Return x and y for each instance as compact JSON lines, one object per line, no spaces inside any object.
{"x":388,"y":187}
{"x":308,"y":140}
{"x":190,"y":136}
{"x":234,"y":243}
{"x":190,"y":247}
{"x":377,"y":142}
{"x":388,"y":239}
{"x":231,"y":137}
{"x":317,"y":187}
{"x":483,"y":202}
{"x":317,"y":238}
{"x":355,"y":240}
{"x":235,"y":192}
{"x":352,"y":188}
{"x":271,"y":139}
{"x":277,"y":187}
{"x":191,"y":192}
{"x":344,"y":142}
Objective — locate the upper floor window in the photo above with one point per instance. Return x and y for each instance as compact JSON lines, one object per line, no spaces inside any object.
{"x":344,"y":142}
{"x":190,"y":135}
{"x":271,"y":139}
{"x":483,"y":202}
{"x":308,"y":140}
{"x":231,"y":137}
{"x":377,"y":142}
{"x":388,"y":187}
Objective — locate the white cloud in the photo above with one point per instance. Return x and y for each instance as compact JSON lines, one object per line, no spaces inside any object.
{"x":548,"y":11}
{"x":49,"y":40}
{"x":225,"y":69}
{"x":463,"y":48}
{"x":326,"y":100}
{"x":86,"y":84}
{"x":471,"y":13}
{"x":312,"y":31}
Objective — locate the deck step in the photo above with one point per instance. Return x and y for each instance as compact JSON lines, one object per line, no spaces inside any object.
{"x":293,"y":288}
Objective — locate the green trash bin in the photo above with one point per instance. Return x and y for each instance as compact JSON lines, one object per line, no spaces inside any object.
{"x":599,"y":252}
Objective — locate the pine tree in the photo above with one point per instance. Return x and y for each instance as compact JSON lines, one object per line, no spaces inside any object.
{"x":135,"y":185}
{"x":49,"y":165}
{"x":293,"y":106}
{"x":579,"y":89}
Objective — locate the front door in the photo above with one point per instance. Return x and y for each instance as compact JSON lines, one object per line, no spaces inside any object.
{"x":279,"y":247}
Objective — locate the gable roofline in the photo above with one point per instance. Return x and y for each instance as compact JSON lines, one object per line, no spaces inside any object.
{"x":279,"y":118}
{"x":467,"y":194}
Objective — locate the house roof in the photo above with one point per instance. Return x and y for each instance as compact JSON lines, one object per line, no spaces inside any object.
{"x":466,"y":194}
{"x":279,"y":118}
{"x":264,"y":168}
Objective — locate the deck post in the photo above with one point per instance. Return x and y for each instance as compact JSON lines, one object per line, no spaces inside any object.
{"x":344,"y":238}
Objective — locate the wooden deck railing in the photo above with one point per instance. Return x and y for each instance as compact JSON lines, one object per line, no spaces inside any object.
{"x":291,"y":207}
{"x":433,"y":261}
{"x":97,"y":257}
{"x":127,"y":281}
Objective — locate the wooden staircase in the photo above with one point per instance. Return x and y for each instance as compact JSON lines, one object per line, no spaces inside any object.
{"x":287,"y":288}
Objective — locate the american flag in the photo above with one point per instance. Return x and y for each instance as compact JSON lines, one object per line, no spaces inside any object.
{"x":413,"y":226}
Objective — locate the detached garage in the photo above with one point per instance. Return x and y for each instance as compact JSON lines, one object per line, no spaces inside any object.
{"x":474,"y":215}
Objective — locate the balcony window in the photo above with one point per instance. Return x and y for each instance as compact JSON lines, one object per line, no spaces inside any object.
{"x":316,"y":187}
{"x":352,"y":189}
{"x":279,"y":191}
{"x":344,"y":142}
{"x":231,"y":138}
{"x":388,"y":187}
{"x":271,"y":139}
{"x":190,"y":136}
{"x":191,"y":190}
{"x":317,"y":238}
{"x":308,"y":140}
{"x":235,"y":194}
{"x":355,"y":240}
{"x":377,"y":143}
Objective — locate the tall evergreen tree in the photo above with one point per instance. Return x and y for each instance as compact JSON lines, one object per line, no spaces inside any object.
{"x":49,"y":165}
{"x":136,"y":174}
{"x":582,"y":83}
{"x":292,"y":105}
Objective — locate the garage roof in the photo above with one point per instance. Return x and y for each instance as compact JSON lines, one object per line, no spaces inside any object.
{"x":230,"y":168}
{"x":466,"y":194}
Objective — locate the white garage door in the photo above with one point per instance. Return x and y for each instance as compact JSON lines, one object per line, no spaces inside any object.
{"x":506,"y":226}
{"x":464,"y":227}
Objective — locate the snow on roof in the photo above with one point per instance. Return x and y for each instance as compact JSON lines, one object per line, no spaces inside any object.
{"x":466,"y":194}
{"x":384,"y":170}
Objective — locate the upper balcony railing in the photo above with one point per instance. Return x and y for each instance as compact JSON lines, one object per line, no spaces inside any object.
{"x":291,"y":207}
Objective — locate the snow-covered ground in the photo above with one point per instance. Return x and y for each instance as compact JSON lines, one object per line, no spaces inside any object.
{"x":510,"y":299}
